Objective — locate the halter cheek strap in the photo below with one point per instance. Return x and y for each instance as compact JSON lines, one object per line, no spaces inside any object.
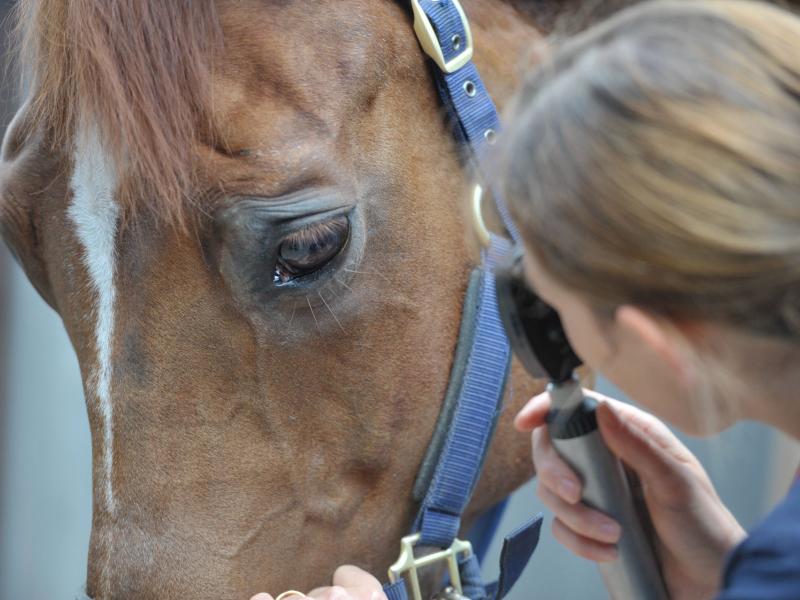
{"x":442,"y":28}
{"x":474,"y":398}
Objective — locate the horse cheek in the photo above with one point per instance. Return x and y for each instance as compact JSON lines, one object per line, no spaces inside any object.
{"x":18,"y":230}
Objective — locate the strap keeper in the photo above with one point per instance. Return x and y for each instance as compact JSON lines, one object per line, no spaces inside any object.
{"x":460,"y":49}
{"x":438,"y":529}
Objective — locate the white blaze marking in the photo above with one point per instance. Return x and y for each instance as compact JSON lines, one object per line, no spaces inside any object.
{"x":94,"y":213}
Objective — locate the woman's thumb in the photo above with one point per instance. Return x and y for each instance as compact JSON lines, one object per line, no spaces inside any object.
{"x":533,"y":414}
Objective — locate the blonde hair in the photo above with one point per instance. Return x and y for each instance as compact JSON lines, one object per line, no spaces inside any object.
{"x":655,"y":160}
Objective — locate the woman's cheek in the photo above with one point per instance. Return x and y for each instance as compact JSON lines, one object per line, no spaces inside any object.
{"x":586,"y":337}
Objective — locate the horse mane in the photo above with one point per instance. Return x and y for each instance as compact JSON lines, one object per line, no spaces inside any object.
{"x":139,"y":71}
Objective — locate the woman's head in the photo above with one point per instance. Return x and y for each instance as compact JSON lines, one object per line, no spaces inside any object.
{"x":654,"y":170}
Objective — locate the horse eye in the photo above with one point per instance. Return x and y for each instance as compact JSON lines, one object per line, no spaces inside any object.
{"x":309,"y":249}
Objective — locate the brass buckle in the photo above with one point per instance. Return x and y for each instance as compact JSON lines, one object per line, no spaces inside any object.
{"x":408,"y":563}
{"x":449,"y":593}
{"x":430,"y":43}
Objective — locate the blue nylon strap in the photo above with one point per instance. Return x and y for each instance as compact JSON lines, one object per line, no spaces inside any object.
{"x":396,"y":590}
{"x":466,"y":98}
{"x":472,"y":585}
{"x":476,"y":114}
{"x":447,"y":23}
{"x":498,"y":251}
{"x":480,"y":401}
{"x":483,"y":531}
{"x":518,"y":547}
{"x":478,"y":406}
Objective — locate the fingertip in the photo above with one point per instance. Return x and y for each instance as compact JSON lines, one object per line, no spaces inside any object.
{"x":606,"y":410}
{"x":262,"y":596}
{"x":345,"y":572}
{"x":583,"y":546}
{"x":608,"y":418}
{"x":350,"y":576}
{"x":569,"y":490}
{"x":337,"y":592}
{"x":532,"y":415}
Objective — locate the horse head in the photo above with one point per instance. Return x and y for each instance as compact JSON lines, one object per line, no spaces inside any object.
{"x":252,"y":218}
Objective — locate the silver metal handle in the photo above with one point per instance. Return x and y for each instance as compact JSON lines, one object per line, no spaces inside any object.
{"x":635,"y":574}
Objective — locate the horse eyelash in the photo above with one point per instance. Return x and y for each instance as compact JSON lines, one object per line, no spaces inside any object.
{"x":318,"y":232}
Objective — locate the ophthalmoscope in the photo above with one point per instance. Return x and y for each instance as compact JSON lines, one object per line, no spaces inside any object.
{"x":540,"y":343}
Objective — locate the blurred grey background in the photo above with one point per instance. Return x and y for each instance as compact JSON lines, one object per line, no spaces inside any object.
{"x":45,"y":476}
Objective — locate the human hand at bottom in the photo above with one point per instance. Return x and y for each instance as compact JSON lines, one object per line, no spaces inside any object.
{"x":349,"y":583}
{"x":694,"y":529}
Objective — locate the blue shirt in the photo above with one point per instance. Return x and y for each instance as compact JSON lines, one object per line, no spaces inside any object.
{"x":766,"y":565}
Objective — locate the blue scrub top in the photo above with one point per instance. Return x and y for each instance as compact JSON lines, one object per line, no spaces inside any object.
{"x":766,"y":565}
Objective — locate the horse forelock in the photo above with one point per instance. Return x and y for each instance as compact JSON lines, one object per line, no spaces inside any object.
{"x":139,"y":72}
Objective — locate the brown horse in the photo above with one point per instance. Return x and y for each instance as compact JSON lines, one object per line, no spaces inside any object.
{"x":251,"y":216}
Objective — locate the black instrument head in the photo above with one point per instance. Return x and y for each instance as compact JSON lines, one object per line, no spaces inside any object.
{"x":533,"y":326}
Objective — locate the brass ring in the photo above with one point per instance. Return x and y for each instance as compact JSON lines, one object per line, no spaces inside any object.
{"x":288,"y":593}
{"x":477,"y":217}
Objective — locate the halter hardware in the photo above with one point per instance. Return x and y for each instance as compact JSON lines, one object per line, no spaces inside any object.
{"x":430,"y":43}
{"x":408,"y":563}
{"x":448,"y":593}
{"x":477,"y":217}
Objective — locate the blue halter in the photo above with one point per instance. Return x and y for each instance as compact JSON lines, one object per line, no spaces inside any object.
{"x":477,"y":384}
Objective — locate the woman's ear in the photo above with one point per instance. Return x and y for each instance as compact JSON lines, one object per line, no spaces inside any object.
{"x":657,"y":336}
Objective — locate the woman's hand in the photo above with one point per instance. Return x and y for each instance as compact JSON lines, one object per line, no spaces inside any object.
{"x":695,"y":531}
{"x":349,"y":583}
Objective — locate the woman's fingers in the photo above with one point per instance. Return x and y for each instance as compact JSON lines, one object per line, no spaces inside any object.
{"x":585,"y":522}
{"x":262,"y":596}
{"x":533,"y":413}
{"x":338,"y":592}
{"x":350,"y":583}
{"x":582,"y":546}
{"x":352,"y":577}
{"x":551,"y":469}
{"x":362,"y":583}
{"x":647,"y":446}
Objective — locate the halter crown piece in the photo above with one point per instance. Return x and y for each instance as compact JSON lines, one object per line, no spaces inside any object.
{"x":475,"y":393}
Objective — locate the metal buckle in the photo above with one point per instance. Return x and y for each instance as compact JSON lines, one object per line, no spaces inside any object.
{"x":430,"y":43}
{"x":449,"y":593}
{"x":408,"y":563}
